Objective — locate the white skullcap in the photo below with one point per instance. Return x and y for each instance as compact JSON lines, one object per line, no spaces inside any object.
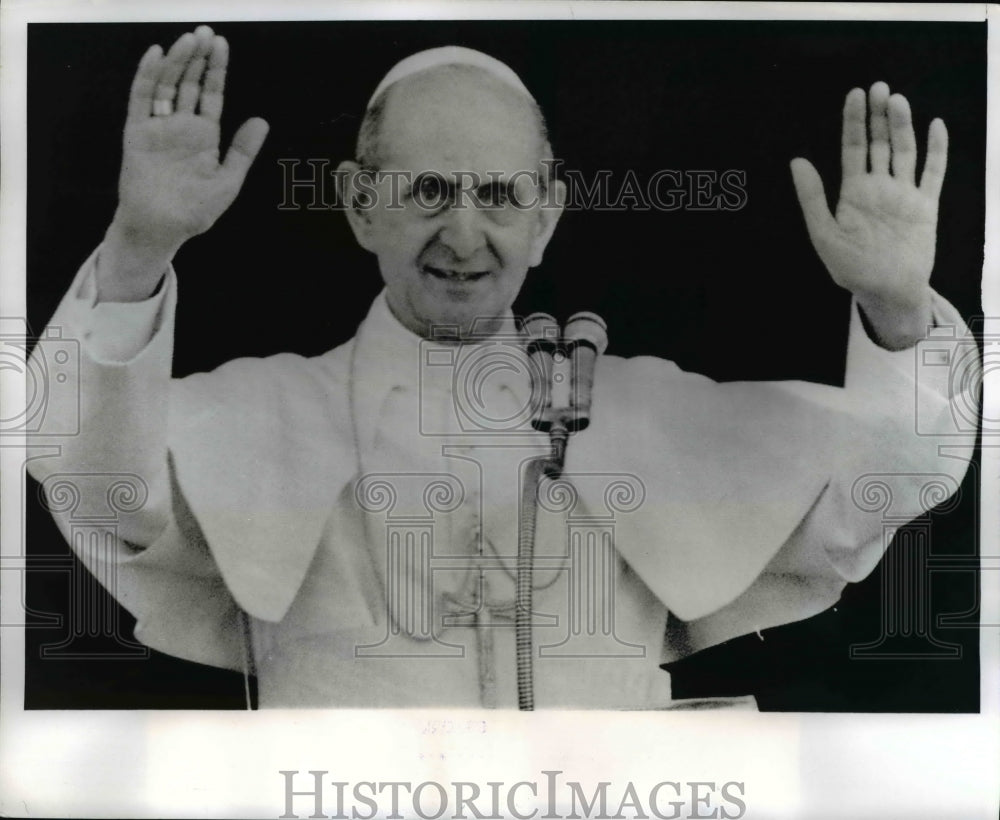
{"x":450,"y":55}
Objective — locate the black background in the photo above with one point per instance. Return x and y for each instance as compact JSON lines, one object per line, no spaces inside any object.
{"x":735,"y":295}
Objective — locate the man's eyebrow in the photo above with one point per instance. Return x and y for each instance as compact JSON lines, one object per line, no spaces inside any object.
{"x":494,"y":184}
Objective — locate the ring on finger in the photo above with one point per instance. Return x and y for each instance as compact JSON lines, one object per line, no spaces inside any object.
{"x":162,"y":108}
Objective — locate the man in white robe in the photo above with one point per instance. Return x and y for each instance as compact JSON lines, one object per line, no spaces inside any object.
{"x":283,"y":488}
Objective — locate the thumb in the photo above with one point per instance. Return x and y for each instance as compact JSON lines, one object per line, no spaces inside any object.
{"x":812,"y":198}
{"x":245,"y":146}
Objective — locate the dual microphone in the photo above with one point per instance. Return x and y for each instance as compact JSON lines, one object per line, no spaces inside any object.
{"x":562,"y":375}
{"x":564,"y":369}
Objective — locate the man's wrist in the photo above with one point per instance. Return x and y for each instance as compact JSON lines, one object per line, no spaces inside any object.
{"x":895,"y":326}
{"x":130,"y":264}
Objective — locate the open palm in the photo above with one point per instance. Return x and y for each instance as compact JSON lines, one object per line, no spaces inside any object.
{"x":173,"y":185}
{"x":880,"y":244}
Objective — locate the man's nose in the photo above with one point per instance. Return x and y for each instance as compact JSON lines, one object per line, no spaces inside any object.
{"x":463,"y":230}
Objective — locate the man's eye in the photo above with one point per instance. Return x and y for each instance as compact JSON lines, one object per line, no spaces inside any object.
{"x":493,"y":195}
{"x":431,"y":191}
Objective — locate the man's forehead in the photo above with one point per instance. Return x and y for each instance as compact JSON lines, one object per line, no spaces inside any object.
{"x":459,"y":117}
{"x":457,"y":179}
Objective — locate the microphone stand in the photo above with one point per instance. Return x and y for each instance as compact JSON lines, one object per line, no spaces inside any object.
{"x":586,"y":338}
{"x":551,"y":466}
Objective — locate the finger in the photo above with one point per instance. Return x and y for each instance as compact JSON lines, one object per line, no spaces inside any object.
{"x":878,"y":109}
{"x":854,"y":143}
{"x":173,"y":66}
{"x":246,"y":144}
{"x":904,"y":142}
{"x":812,"y":199}
{"x":215,"y":80}
{"x":140,"y":101}
{"x":932,"y":177}
{"x":190,"y":87}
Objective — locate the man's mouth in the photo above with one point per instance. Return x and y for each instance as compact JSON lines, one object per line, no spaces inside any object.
{"x":449,"y":275}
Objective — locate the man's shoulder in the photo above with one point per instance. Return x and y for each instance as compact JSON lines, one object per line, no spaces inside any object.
{"x":291,"y":370}
{"x":638,"y":370}
{"x":283,"y":386}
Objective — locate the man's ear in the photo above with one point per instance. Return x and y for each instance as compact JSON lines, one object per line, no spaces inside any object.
{"x":358,"y":199}
{"x":549,"y":210}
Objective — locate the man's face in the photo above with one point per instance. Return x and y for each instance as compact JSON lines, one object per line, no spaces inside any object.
{"x":454,"y":242}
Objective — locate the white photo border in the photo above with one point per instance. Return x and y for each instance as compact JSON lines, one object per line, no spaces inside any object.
{"x":222,"y":764}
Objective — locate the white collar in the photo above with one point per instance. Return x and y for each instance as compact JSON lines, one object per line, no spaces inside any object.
{"x":387,"y":356}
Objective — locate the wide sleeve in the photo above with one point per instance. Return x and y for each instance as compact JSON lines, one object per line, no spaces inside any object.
{"x":758,"y":493}
{"x":110,"y":484}
{"x":923,"y":403}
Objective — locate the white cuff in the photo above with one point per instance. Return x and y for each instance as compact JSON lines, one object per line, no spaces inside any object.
{"x":874,"y":370}
{"x":114,"y":332}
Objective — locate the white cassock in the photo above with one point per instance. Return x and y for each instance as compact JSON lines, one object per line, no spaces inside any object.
{"x":362,"y":506}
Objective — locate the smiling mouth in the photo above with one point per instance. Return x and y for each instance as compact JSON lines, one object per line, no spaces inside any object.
{"x":455,"y":275}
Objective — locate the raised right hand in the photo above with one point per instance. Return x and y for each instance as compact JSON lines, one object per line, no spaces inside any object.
{"x":173,"y":185}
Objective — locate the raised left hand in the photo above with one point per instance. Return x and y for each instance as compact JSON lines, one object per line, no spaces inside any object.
{"x":880,"y":245}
